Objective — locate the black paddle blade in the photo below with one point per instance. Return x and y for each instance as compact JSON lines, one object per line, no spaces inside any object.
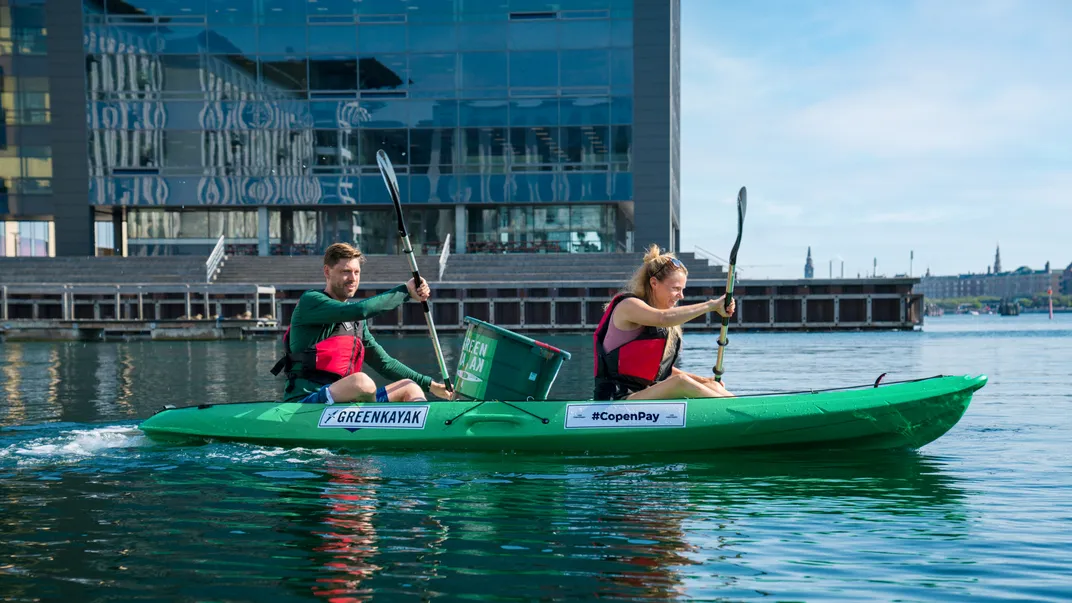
{"x":742,"y":207}
{"x":387,"y":170}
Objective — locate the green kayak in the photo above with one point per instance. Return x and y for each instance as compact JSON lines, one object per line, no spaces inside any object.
{"x":898,"y":415}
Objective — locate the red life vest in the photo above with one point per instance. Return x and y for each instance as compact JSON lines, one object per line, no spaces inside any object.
{"x":635,"y":365}
{"x":338,"y":354}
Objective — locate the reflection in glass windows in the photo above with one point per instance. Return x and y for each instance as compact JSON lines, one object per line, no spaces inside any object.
{"x":282,"y":11}
{"x":384,"y":72}
{"x":484,"y":70}
{"x":332,"y":39}
{"x":490,"y":35}
{"x":621,"y":70}
{"x":585,"y":68}
{"x":335,"y":147}
{"x":433,"y":75}
{"x":437,"y":37}
{"x":374,"y":231}
{"x":535,"y":146}
{"x":231,"y":11}
{"x":284,"y":73}
{"x":428,"y":113}
{"x":622,"y":145}
{"x":543,"y":228}
{"x":431,"y":147}
{"x":537,"y":69}
{"x":393,"y":142}
{"x":534,"y":112}
{"x":533,"y":35}
{"x":483,"y":113}
{"x":283,"y":41}
{"x":381,"y":38}
{"x":110,"y":149}
{"x":584,"y":33}
{"x":467,"y":111}
{"x":32,"y":239}
{"x":332,"y":73}
{"x":585,"y":146}
{"x":484,"y":149}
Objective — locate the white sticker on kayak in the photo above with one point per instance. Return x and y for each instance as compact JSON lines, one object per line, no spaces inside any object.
{"x":646,"y":414}
{"x":467,"y":376}
{"x":386,"y":416}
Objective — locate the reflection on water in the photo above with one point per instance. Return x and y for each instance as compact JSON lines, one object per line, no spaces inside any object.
{"x":337,"y":527}
{"x":91,"y":510}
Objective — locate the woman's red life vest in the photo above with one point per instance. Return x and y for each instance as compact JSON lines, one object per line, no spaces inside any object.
{"x":340,"y":353}
{"x":635,"y":365}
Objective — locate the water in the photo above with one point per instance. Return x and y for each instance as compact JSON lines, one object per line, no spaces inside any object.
{"x":92,"y":511}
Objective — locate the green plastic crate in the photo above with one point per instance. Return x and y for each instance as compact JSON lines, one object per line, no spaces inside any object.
{"x":497,"y":364}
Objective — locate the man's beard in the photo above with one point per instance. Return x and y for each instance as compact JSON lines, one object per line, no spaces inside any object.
{"x":341,"y":292}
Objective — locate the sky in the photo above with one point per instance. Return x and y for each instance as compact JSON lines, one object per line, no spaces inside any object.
{"x":875,"y":130}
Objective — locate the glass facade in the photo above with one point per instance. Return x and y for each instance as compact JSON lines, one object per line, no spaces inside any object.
{"x":25,"y":159}
{"x":515,"y":110}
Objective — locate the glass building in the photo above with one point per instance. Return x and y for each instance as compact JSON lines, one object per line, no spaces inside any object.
{"x":514,"y":125}
{"x":25,"y":147}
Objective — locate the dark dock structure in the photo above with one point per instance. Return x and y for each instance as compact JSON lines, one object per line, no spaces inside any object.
{"x":175,"y":298}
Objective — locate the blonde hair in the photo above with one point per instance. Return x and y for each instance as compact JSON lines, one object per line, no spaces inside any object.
{"x":657,"y":265}
{"x":341,"y":251}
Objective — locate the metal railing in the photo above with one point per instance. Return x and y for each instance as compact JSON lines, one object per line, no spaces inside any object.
{"x":212,"y":264}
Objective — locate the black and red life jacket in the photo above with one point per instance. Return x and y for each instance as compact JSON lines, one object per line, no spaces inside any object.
{"x":635,"y":365}
{"x":339,"y":353}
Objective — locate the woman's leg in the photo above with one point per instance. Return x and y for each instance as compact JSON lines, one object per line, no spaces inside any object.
{"x":676,"y":386}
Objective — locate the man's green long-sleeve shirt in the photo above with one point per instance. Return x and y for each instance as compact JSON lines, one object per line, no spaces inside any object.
{"x":315,"y":318}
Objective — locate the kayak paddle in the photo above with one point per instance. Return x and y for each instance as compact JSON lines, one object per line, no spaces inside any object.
{"x":388,"y":172}
{"x":742,"y":205}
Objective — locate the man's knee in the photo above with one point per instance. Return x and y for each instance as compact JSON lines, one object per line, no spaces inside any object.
{"x":361,"y":383}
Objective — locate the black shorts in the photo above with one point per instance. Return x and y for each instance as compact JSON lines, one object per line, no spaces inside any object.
{"x":612,"y":391}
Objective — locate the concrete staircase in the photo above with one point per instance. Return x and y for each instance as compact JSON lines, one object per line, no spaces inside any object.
{"x":308,"y":270}
{"x":102,"y":270}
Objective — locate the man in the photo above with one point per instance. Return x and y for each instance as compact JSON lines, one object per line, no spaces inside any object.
{"x":328,"y":342}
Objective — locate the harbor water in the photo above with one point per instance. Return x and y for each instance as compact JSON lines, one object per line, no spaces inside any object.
{"x":90,"y":510}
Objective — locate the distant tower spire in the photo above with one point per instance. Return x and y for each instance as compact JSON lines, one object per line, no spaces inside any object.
{"x":809,"y":268}
{"x":997,"y":260}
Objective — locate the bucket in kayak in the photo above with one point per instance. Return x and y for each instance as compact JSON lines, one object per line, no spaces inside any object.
{"x":498,"y":364}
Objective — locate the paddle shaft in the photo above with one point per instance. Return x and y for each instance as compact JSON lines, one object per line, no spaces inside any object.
{"x":407,"y":247}
{"x":731,"y":278}
{"x":723,"y":341}
{"x":387,"y":170}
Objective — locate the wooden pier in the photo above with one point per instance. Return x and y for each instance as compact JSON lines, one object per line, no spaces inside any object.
{"x":235,"y":311}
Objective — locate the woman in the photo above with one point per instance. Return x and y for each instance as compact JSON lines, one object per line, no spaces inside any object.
{"x":638,"y":339}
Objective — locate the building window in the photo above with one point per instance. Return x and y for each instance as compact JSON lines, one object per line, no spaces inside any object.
{"x":104,"y":233}
{"x":546,"y":229}
{"x":28,"y":239}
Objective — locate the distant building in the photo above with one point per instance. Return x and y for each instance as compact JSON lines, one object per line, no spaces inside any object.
{"x":1022,"y":281}
{"x":809,"y":268}
{"x":1066,"y":281}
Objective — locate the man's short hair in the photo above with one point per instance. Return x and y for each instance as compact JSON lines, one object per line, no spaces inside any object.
{"x":340,"y":252}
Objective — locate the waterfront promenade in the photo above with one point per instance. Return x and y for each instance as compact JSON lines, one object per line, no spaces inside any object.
{"x":244,"y":296}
